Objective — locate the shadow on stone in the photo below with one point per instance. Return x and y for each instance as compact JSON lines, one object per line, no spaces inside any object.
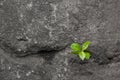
{"x":77,"y":60}
{"x":47,"y":55}
{"x":99,"y":54}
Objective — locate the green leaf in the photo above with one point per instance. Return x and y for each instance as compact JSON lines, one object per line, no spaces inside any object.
{"x":75,"y":47}
{"x":87,"y":55}
{"x":82,"y":55}
{"x":75,"y":52}
{"x":85,"y":45}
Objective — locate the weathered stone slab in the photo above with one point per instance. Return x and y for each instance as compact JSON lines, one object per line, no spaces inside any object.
{"x":35,"y":25}
{"x":28,"y":26}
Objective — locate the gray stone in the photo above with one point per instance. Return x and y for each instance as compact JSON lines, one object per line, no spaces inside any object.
{"x":29,"y":26}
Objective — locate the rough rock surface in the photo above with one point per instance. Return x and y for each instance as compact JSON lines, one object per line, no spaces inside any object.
{"x":29,"y":26}
{"x":46,"y":27}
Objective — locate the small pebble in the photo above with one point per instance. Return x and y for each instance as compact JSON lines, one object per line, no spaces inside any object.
{"x":28,"y":74}
{"x":18,"y":75}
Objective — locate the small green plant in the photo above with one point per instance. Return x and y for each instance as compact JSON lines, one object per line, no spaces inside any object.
{"x":81,"y":51}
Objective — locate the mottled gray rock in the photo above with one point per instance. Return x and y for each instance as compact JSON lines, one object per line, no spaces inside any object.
{"x":79,"y":20}
{"x":29,"y":26}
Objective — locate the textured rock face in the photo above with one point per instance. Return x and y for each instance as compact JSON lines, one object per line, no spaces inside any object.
{"x":29,"y":26}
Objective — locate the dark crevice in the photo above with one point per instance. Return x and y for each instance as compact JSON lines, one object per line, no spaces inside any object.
{"x":45,"y":52}
{"x":47,"y":55}
{"x":114,"y":59}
